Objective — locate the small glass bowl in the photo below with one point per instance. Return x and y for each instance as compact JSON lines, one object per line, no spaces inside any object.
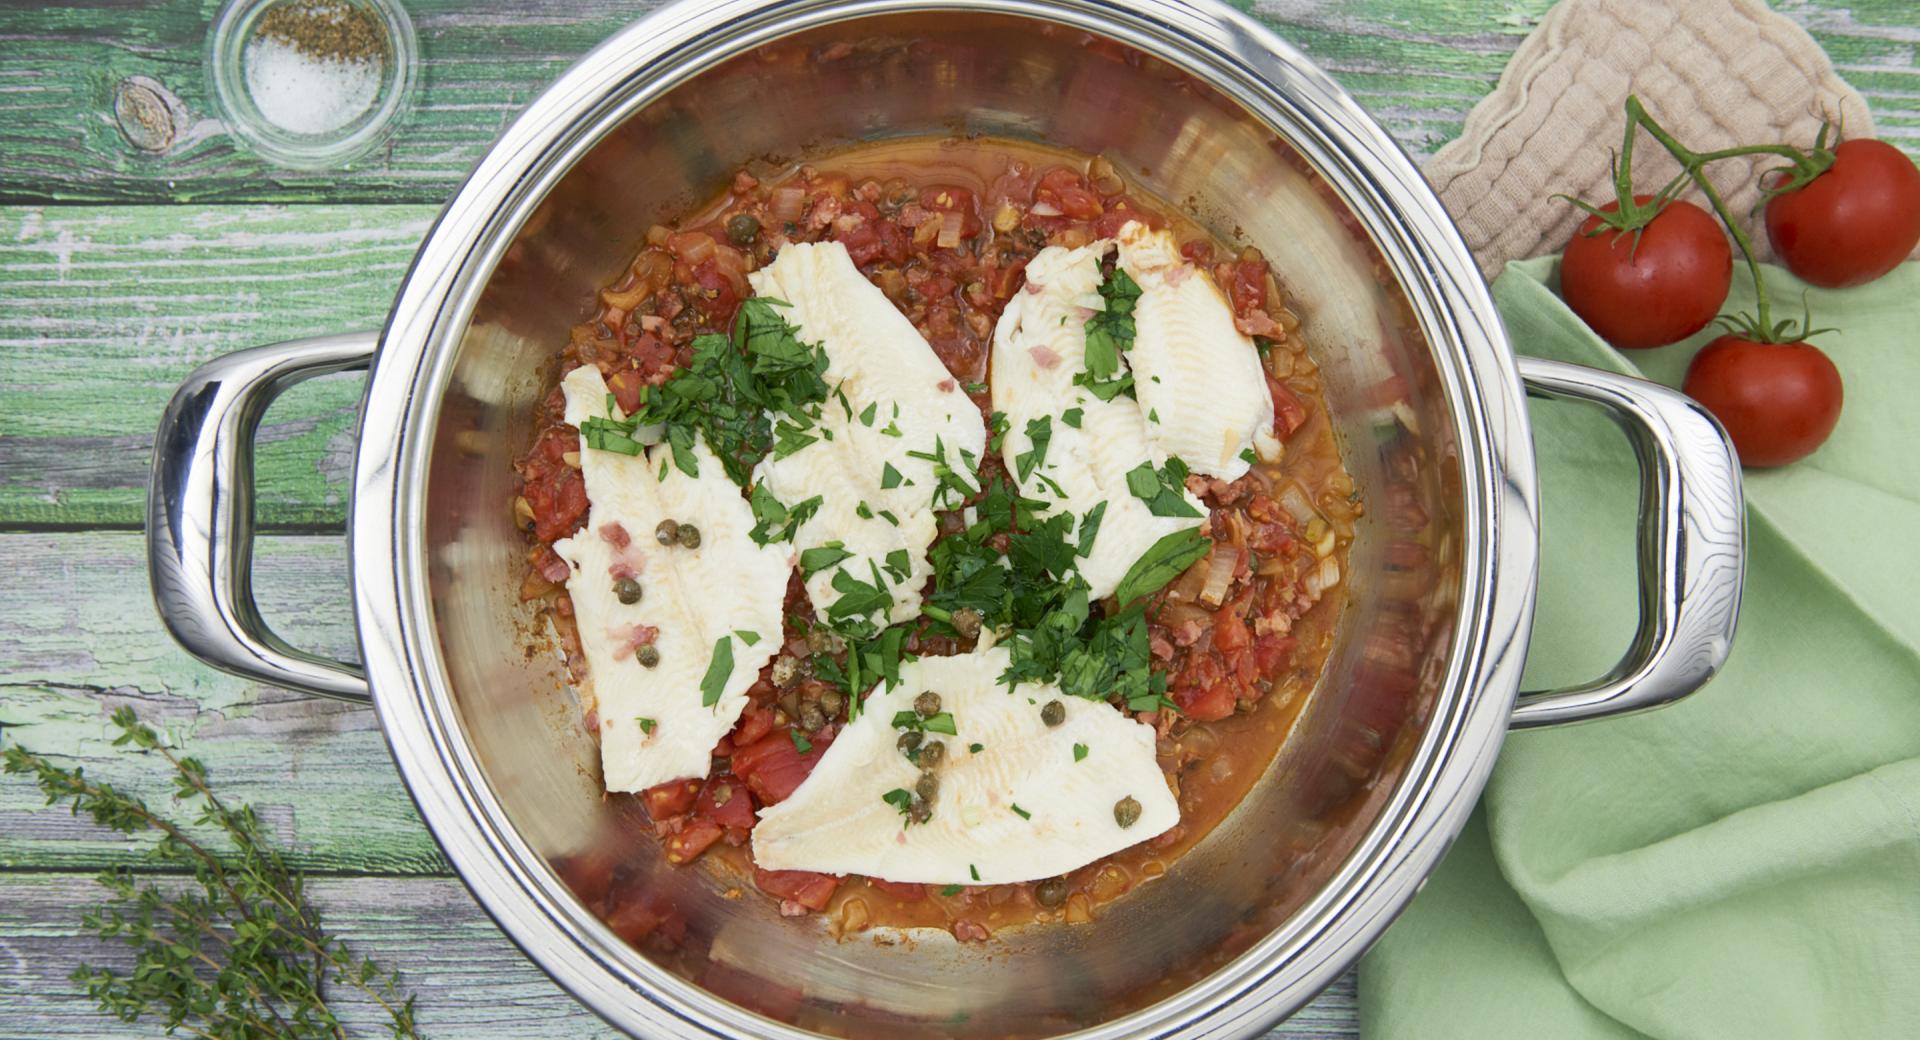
{"x":236,"y":26}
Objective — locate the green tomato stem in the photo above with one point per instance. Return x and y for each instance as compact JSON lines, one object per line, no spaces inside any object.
{"x":1693,"y":165}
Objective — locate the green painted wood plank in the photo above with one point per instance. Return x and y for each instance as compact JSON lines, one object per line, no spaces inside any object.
{"x":80,"y":638}
{"x":103,"y":310}
{"x":1417,"y":64}
{"x":472,"y":983}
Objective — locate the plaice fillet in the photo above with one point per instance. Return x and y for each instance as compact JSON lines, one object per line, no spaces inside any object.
{"x":690,"y":599}
{"x":1038,"y":348}
{"x":1191,"y":367}
{"x":897,"y":406}
{"x":837,"y":822}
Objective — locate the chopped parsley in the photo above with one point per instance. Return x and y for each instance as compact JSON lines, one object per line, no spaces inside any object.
{"x":800,"y":743}
{"x":1247,"y":456}
{"x":819,"y":558}
{"x":1109,"y":334}
{"x":892,"y":429}
{"x":889,"y":477}
{"x":887,"y":515}
{"x":857,"y":598}
{"x":1022,"y":813}
{"x":646,"y":725}
{"x":997,"y":426}
{"x":901,"y":799}
{"x":976,"y":748}
{"x":1079,"y":752}
{"x":727,"y":393}
{"x":867,"y":413}
{"x":899,"y":565}
{"x":1040,"y":434}
{"x":1090,"y":529}
{"x":1072,"y":417}
{"x":749,"y":638}
{"x":950,"y":890}
{"x":939,"y":722}
{"x":973,"y":871}
{"x":1153,"y":415}
{"x":718,"y":670}
{"x":1163,"y":490}
{"x":1163,"y":561}
{"x":863,"y":510}
{"x":974,"y":389}
{"x":774,"y":522}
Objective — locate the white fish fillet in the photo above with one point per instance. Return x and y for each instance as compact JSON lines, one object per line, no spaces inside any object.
{"x":878,"y":361}
{"x":1038,"y":348}
{"x":837,"y":822}
{"x":1191,"y":367}
{"x":694,"y":597}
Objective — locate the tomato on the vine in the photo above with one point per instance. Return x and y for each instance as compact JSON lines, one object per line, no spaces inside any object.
{"x":1854,"y":222}
{"x":1778,"y":401}
{"x":1650,"y":287}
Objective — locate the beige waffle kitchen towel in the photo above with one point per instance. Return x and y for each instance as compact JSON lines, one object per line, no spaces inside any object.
{"x":1717,"y":73}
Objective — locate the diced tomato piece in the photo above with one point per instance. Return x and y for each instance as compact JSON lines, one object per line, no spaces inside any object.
{"x":1248,"y":286}
{"x":1230,"y":631}
{"x":1288,"y":413}
{"x":1007,"y":280}
{"x":559,"y":502}
{"x":755,"y":722}
{"x":1213,"y":702}
{"x":1199,"y":251}
{"x":941,"y":198}
{"x":725,"y":801}
{"x":1272,"y":652}
{"x":720,"y":299}
{"x":693,"y":839}
{"x":773,"y":767}
{"x":1067,"y":191}
{"x":670,"y":799}
{"x":625,"y":386}
{"x":899,"y":889}
{"x":805,"y":887}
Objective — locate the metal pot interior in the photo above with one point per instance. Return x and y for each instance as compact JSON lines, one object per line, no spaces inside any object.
{"x":938,"y":74}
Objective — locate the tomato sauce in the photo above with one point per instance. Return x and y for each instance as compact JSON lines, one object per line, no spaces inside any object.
{"x":945,"y":229}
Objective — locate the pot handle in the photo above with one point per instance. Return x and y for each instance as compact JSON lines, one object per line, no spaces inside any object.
{"x":200,"y":513}
{"x":1692,"y":546}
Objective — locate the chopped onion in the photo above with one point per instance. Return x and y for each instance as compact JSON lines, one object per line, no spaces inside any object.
{"x":695,"y":247}
{"x":1045,"y":209}
{"x":787,"y":202}
{"x":950,"y":225}
{"x":1294,"y":499}
{"x":1324,"y":577}
{"x":1220,"y":568}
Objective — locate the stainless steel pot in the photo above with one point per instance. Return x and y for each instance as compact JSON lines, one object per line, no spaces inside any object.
{"x":1208,"y":109}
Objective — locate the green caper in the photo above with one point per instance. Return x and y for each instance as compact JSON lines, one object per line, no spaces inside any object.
{"x":689,"y":536}
{"x":667,"y":532}
{"x":927,"y":786}
{"x":1126,"y":811}
{"x":648,"y":656}
{"x":742,"y":229}
{"x":627,"y":590}
{"x":966,"y":621}
{"x":1054,"y":713}
{"x":909,"y":741}
{"x":811,"y":717}
{"x":932,"y":753}
{"x":831,"y":701}
{"x":927,"y":704}
{"x":1051,"y":892}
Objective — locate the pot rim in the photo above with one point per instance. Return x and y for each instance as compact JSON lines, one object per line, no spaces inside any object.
{"x":1274,"y":83}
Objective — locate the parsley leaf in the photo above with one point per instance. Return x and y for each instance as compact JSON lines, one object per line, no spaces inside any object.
{"x":1022,"y":813}
{"x":1162,"y":489}
{"x":718,"y":670}
{"x":774,"y":522}
{"x":646,"y":725}
{"x":1090,"y":528}
{"x":950,"y":890}
{"x":889,"y":477}
{"x":747,"y":637}
{"x":800,"y":743}
{"x":1072,"y":417}
{"x":1109,"y":333}
{"x":1079,"y":752}
{"x":1040,"y":433}
{"x":815,"y":560}
{"x":1163,"y":561}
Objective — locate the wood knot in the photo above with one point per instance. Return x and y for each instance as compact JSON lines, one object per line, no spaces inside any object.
{"x":149,"y":115}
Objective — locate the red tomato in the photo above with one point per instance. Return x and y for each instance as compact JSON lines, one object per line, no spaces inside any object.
{"x":755,"y":723}
{"x":1853,"y":223}
{"x":1067,"y":191}
{"x":802,"y":886}
{"x":1665,"y":288}
{"x":1230,"y":629}
{"x":693,"y":839}
{"x":1778,"y":401}
{"x":669,"y":799}
{"x":1288,"y":413}
{"x":773,"y":767}
{"x":899,"y":889}
{"x":725,"y":801}
{"x":1214,"y":702}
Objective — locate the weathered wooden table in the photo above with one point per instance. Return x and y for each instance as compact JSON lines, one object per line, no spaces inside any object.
{"x":122,"y":269}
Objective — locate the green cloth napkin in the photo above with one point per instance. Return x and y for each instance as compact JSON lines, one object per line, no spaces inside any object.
{"x":1746,"y":863}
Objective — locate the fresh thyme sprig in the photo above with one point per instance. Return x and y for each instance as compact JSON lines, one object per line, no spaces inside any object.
{"x":239,"y":954}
